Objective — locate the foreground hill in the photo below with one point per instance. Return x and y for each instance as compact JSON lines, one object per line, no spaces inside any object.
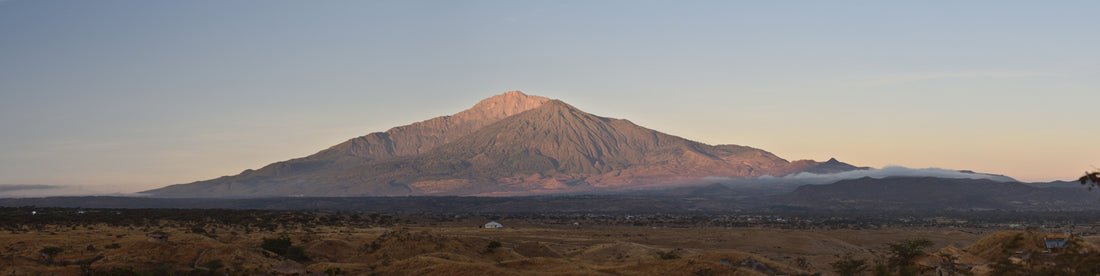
{"x":930,"y":193}
{"x":510,"y":144}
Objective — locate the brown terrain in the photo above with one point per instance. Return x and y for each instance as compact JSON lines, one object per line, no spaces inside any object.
{"x":509,"y":144}
{"x":521,"y":248}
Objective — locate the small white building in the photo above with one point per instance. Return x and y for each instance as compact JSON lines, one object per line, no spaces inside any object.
{"x":494,"y":225}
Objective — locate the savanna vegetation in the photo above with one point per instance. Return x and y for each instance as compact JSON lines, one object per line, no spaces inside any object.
{"x":75,"y":241}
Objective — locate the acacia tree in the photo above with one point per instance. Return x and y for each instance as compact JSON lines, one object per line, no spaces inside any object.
{"x":1091,"y":179}
{"x":847,"y":266}
{"x":903,"y":253}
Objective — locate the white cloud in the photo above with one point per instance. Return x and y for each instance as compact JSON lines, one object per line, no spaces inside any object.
{"x":16,"y":191}
{"x":888,"y":171}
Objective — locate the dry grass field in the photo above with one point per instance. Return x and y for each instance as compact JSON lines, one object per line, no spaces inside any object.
{"x":462,"y":248}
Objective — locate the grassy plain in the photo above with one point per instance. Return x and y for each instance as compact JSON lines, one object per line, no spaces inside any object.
{"x":382,"y":245}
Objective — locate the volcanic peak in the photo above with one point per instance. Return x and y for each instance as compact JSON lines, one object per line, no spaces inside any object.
{"x":508,"y":144}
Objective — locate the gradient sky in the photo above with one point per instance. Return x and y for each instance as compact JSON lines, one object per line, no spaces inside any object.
{"x":121,"y":96}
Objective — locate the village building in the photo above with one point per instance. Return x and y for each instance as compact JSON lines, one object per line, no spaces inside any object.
{"x":1055,"y":245}
{"x":493,"y":225}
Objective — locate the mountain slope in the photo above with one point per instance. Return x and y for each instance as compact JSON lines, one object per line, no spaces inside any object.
{"x":421,"y":137}
{"x":510,"y":144}
{"x":558,"y":148}
{"x":399,"y":141}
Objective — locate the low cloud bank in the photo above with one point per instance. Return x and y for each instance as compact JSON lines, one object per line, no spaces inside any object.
{"x":4,"y":188}
{"x":23,"y":190}
{"x":888,"y":171}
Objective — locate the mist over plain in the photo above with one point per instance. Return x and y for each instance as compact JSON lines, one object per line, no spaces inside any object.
{"x":806,"y":178}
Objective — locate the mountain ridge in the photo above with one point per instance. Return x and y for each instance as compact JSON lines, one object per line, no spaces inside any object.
{"x":508,"y":144}
{"x":380,"y":145}
{"x":933,"y":193}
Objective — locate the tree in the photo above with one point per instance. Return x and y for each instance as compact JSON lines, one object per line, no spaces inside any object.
{"x":881,"y":269}
{"x":950,"y":263}
{"x":903,"y":253}
{"x":847,"y":266}
{"x":277,"y":246}
{"x":1090,"y":179}
{"x":284,"y":247}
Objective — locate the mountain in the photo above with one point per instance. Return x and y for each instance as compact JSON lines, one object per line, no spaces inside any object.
{"x":931,"y":193}
{"x":833,"y":166}
{"x":406,"y":140}
{"x":1057,"y":184}
{"x":509,"y":144}
{"x":994,"y":177}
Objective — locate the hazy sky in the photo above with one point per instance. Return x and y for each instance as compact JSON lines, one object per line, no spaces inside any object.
{"x":131,"y":95}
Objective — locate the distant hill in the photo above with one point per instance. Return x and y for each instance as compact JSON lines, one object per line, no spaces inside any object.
{"x":833,"y":166}
{"x":509,"y":144}
{"x":1057,"y":184}
{"x":930,"y":193}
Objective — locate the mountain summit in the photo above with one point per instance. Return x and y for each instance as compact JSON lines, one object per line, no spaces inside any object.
{"x":423,"y":136}
{"x":508,"y":144}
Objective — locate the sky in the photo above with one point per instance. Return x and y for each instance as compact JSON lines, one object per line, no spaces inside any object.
{"x":123,"y":96}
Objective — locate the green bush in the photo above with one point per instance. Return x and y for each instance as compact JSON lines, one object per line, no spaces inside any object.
{"x":333,"y":271}
{"x":848,"y":266}
{"x":492,"y":246}
{"x":284,"y":247}
{"x":278,"y":245}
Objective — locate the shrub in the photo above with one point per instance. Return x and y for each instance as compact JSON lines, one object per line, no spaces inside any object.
{"x":333,"y":271}
{"x":277,"y":245}
{"x":903,"y":253}
{"x":198,"y":230}
{"x":283,"y":247}
{"x":848,"y":266}
{"x":667,"y":255}
{"x":52,"y":251}
{"x":492,"y":246}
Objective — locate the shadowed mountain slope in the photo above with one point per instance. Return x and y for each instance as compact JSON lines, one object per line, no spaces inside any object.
{"x":931,"y":193}
{"x":510,"y":144}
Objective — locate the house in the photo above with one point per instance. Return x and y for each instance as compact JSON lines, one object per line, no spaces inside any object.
{"x":494,"y":225}
{"x":157,"y":236}
{"x":1055,"y":244}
